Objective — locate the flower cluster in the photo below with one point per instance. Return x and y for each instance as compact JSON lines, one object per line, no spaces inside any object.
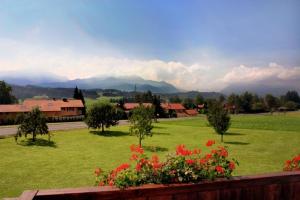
{"x":185,"y":166}
{"x":292,"y":165}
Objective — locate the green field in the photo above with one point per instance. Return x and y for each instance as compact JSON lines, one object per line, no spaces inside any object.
{"x":261,"y":143}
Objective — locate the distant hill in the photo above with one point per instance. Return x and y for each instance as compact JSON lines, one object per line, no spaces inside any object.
{"x":124,"y":83}
{"x":23,"y":92}
{"x":277,"y":89}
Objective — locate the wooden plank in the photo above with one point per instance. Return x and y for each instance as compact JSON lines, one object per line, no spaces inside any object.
{"x":28,"y":195}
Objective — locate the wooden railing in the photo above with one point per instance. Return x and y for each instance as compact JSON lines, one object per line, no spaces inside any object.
{"x":282,"y":185}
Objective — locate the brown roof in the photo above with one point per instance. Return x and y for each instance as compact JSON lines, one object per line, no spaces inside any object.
{"x":172,"y":106}
{"x":13,"y":108}
{"x":191,"y":112}
{"x":130,"y":106}
{"x":43,"y":104}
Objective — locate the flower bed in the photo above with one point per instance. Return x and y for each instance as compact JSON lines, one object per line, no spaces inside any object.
{"x":293,"y":164}
{"x":183,"y":166}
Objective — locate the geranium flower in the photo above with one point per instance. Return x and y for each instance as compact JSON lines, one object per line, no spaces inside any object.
{"x":210,"y":143}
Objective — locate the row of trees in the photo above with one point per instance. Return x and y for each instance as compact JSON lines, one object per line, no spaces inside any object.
{"x":103,"y":115}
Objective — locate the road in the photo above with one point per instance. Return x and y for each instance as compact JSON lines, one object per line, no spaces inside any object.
{"x":11,"y":130}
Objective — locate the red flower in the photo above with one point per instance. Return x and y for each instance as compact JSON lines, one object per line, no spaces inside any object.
{"x":210,"y":143}
{"x":134,"y":157}
{"x":223,"y":152}
{"x":101,"y":183}
{"x":137,"y":149}
{"x":202,"y":161}
{"x":231,"y":165}
{"x":111,"y":183}
{"x":208,"y":156}
{"x":219,"y":169}
{"x":197,"y":151}
{"x":190,"y":161}
{"x":138,"y":167}
{"x":180,"y":150}
{"x":122,"y":167}
{"x":98,"y":171}
{"x":155,"y":159}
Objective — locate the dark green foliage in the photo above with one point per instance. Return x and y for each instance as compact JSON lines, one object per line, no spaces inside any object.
{"x":79,"y":95}
{"x":158,"y":110}
{"x":5,"y":94}
{"x":290,"y":105}
{"x":101,"y":115}
{"x":188,"y":103}
{"x":33,"y":123}
{"x":199,"y":100}
{"x":218,"y":118}
{"x":141,"y":122}
{"x":175,"y":99}
{"x":292,"y":96}
{"x":271,"y":102}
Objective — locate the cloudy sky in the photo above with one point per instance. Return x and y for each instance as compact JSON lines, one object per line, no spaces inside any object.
{"x":200,"y":45}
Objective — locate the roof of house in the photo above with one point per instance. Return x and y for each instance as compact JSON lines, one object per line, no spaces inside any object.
{"x":191,"y":112}
{"x":130,"y":106}
{"x":13,"y":108}
{"x":43,"y":104}
{"x":172,"y":106}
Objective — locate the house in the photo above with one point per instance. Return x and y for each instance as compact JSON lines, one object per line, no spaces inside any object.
{"x":53,"y":109}
{"x":130,"y":106}
{"x":191,"y":112}
{"x":174,"y":109}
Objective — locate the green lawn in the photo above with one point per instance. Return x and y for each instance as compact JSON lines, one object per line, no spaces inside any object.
{"x":261,"y":143}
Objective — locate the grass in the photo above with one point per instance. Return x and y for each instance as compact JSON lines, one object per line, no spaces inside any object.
{"x":261,"y":143}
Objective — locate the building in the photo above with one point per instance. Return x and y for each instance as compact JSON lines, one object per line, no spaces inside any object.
{"x":174,"y":109}
{"x":130,"y":106}
{"x":54,"y":109}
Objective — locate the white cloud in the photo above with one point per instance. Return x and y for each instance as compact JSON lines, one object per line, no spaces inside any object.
{"x":244,"y":74}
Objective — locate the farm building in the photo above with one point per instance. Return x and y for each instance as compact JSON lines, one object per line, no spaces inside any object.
{"x":52,"y":109}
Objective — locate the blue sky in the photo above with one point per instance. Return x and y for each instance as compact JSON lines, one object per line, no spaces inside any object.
{"x":192,"y":44}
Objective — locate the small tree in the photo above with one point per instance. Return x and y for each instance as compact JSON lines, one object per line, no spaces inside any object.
{"x":141,"y":122}
{"x":101,"y":115}
{"x":218,"y":118}
{"x":33,"y":123}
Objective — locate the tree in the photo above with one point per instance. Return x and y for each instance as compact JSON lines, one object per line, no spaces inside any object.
{"x":158,"y":110}
{"x":235,"y":100}
{"x":199,"y":100}
{"x":188,"y":103}
{"x":101,"y":115}
{"x":5,"y":94}
{"x":33,"y":123}
{"x":292,"y":96}
{"x":175,"y":99}
{"x":141,"y":122}
{"x":79,"y":95}
{"x":246,"y":101}
{"x":218,"y":118}
{"x":271,"y":102}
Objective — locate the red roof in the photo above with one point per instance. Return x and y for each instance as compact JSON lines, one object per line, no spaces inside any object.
{"x":172,"y":106}
{"x":201,"y":106}
{"x":192,"y":112}
{"x":43,"y":104}
{"x":130,"y":106}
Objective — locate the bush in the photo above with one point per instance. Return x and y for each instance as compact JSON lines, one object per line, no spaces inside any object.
{"x":184,"y":166}
{"x":292,"y":165}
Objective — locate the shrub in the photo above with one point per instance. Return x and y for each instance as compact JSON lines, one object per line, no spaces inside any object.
{"x":184,"y":166}
{"x":292,"y":165}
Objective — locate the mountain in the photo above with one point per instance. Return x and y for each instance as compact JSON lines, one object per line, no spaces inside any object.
{"x":29,"y":77}
{"x":124,"y":83}
{"x":276,"y":88}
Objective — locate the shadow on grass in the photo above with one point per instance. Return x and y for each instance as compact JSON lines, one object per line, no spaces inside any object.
{"x":38,"y":142}
{"x":159,"y":127}
{"x":237,"y":143}
{"x":160,"y":133}
{"x":110,"y":133}
{"x":155,"y":148}
{"x":229,"y":133}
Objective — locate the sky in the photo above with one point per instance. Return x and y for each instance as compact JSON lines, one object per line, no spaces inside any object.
{"x":201,"y":45}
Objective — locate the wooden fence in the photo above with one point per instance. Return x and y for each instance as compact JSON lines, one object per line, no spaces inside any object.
{"x":282,"y":185}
